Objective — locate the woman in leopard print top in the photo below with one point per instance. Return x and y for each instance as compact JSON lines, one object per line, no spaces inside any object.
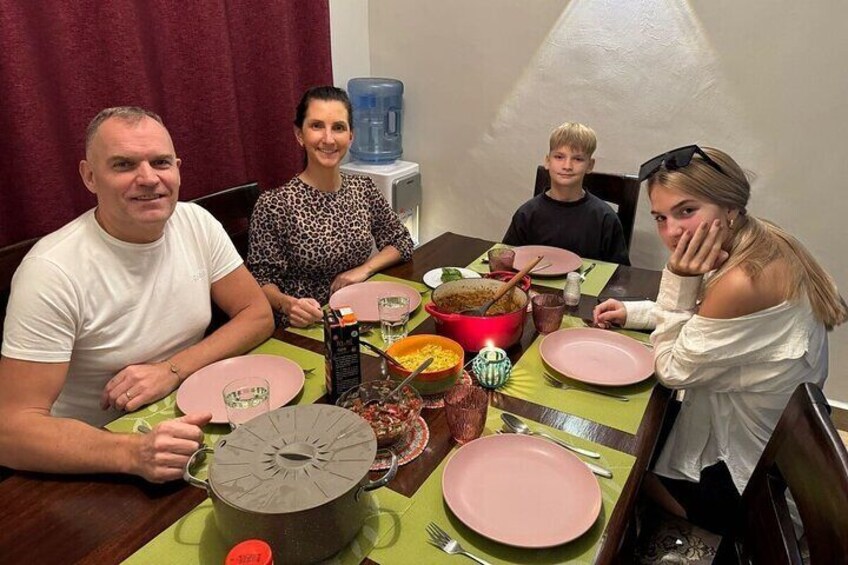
{"x":316,"y":233}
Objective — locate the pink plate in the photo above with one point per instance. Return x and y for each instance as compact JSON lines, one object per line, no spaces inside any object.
{"x":562,"y":261}
{"x":203,"y":391}
{"x":596,"y":356}
{"x":522,"y":491}
{"x":362,"y":297}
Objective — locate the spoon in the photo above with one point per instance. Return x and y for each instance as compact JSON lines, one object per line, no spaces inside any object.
{"x":518,"y":426}
{"x":481,"y":311}
{"x":403,"y":383}
{"x":382,"y":353}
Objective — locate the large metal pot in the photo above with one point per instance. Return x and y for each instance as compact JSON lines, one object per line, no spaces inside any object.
{"x":475,"y":332}
{"x":295,"y":477}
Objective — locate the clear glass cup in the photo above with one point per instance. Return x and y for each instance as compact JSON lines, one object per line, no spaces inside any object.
{"x":501,"y":259}
{"x":394,"y":317}
{"x":245,"y":399}
{"x":548,"y":310}
{"x":466,"y":407}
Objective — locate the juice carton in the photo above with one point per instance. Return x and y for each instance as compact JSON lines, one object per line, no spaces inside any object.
{"x":341,"y":340}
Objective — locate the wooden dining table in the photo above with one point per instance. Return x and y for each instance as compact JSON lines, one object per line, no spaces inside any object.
{"x":106,"y":518}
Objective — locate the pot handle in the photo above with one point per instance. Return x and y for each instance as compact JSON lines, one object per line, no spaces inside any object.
{"x":439,"y":315}
{"x":382,"y":481}
{"x":187,"y":476}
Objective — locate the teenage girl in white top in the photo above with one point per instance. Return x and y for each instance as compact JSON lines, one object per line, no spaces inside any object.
{"x":741,"y":320}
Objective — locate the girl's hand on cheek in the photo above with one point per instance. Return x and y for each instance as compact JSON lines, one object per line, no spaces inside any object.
{"x":700,"y":252}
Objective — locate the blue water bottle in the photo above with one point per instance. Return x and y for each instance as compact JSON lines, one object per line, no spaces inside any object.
{"x":377,"y":119}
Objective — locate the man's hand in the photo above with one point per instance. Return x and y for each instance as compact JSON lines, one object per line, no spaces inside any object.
{"x":163,"y":453}
{"x":138,"y":385}
{"x":355,"y":275}
{"x":700,"y":252}
{"x":304,"y":312}
{"x":609,"y":313}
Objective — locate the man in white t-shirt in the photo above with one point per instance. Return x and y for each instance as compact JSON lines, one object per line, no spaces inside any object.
{"x":108,"y":313}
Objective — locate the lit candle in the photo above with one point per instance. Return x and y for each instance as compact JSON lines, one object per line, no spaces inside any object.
{"x":492,"y":366}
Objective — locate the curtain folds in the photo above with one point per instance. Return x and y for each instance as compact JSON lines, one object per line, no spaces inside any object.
{"x":224,"y":75}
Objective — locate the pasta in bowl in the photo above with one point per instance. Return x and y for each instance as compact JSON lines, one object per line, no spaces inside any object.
{"x":441,"y":375}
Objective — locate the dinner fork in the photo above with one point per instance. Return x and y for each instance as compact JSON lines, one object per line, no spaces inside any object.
{"x":556,"y":383}
{"x":443,"y":541}
{"x":586,"y":271}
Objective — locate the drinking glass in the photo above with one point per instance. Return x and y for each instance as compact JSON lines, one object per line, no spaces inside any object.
{"x":245,"y":399}
{"x":501,"y":259}
{"x":465,"y":408}
{"x":394,"y":316}
{"x":548,"y":309}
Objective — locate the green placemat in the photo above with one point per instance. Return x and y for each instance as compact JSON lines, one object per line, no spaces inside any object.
{"x":195,"y":538}
{"x":316,"y":331}
{"x":595,"y":282}
{"x":527,"y":382}
{"x":166,"y":409}
{"x":409,"y":543}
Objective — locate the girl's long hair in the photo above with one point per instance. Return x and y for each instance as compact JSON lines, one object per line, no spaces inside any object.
{"x":756,"y":242}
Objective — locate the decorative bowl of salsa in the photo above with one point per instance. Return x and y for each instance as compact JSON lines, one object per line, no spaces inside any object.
{"x":391,"y":418}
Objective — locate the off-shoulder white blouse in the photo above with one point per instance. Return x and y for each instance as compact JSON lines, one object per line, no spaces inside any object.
{"x":738,"y":375}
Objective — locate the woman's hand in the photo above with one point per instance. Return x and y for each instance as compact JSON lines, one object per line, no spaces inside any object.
{"x":700,"y":252}
{"x":355,"y":275}
{"x":304,"y":312}
{"x":609,"y":313}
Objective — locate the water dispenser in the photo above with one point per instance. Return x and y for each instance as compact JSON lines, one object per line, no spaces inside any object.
{"x":377,"y":119}
{"x":400,"y":183}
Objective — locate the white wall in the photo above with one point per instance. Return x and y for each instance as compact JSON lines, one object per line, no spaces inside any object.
{"x":486,"y":80}
{"x":349,"y":40}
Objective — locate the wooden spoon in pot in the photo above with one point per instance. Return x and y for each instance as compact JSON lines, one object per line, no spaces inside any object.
{"x":481,"y":311}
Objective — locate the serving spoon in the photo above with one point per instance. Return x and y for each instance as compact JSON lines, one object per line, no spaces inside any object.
{"x":481,"y":311}
{"x":382,"y":353}
{"x":403,"y":383}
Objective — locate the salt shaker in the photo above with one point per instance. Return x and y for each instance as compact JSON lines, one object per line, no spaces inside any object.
{"x":571,"y":293}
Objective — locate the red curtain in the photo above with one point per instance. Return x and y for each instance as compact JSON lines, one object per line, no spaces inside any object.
{"x":224,"y":75}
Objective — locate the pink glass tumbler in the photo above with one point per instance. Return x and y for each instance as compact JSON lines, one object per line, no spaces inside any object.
{"x":548,"y":309}
{"x":501,"y":259}
{"x":466,"y":407}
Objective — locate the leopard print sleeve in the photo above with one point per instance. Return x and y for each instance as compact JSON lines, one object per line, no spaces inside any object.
{"x":265,"y":257}
{"x":386,"y":227}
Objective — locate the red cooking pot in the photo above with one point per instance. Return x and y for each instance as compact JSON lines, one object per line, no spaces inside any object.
{"x":475,"y":332}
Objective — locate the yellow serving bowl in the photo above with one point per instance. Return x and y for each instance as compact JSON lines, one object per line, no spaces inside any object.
{"x":428,"y":382}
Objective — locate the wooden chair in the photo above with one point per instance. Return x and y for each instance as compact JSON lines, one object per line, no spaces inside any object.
{"x":621,"y":190}
{"x":806,"y":456}
{"x":233,"y":207}
{"x":10,"y":258}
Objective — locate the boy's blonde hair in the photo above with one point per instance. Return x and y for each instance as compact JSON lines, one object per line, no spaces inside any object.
{"x":576,"y":136}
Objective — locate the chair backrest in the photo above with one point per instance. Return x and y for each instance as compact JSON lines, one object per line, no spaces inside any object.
{"x":10,"y":259}
{"x":806,"y":455}
{"x":621,"y":190}
{"x":233,"y":207}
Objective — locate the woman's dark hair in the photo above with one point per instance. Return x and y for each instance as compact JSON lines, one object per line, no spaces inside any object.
{"x":325,"y":93}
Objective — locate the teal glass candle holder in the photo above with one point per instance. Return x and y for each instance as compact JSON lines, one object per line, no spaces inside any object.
{"x":492,"y":367}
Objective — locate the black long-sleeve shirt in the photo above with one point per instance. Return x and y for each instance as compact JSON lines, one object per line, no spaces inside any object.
{"x":588,"y":227}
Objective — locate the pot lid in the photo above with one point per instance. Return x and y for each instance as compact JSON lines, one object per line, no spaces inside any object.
{"x":292,"y":459}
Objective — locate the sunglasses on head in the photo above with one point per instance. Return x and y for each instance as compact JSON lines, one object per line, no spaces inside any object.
{"x":675,"y":159}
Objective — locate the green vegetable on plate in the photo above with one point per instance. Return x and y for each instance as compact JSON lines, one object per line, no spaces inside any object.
{"x":450,"y":274}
